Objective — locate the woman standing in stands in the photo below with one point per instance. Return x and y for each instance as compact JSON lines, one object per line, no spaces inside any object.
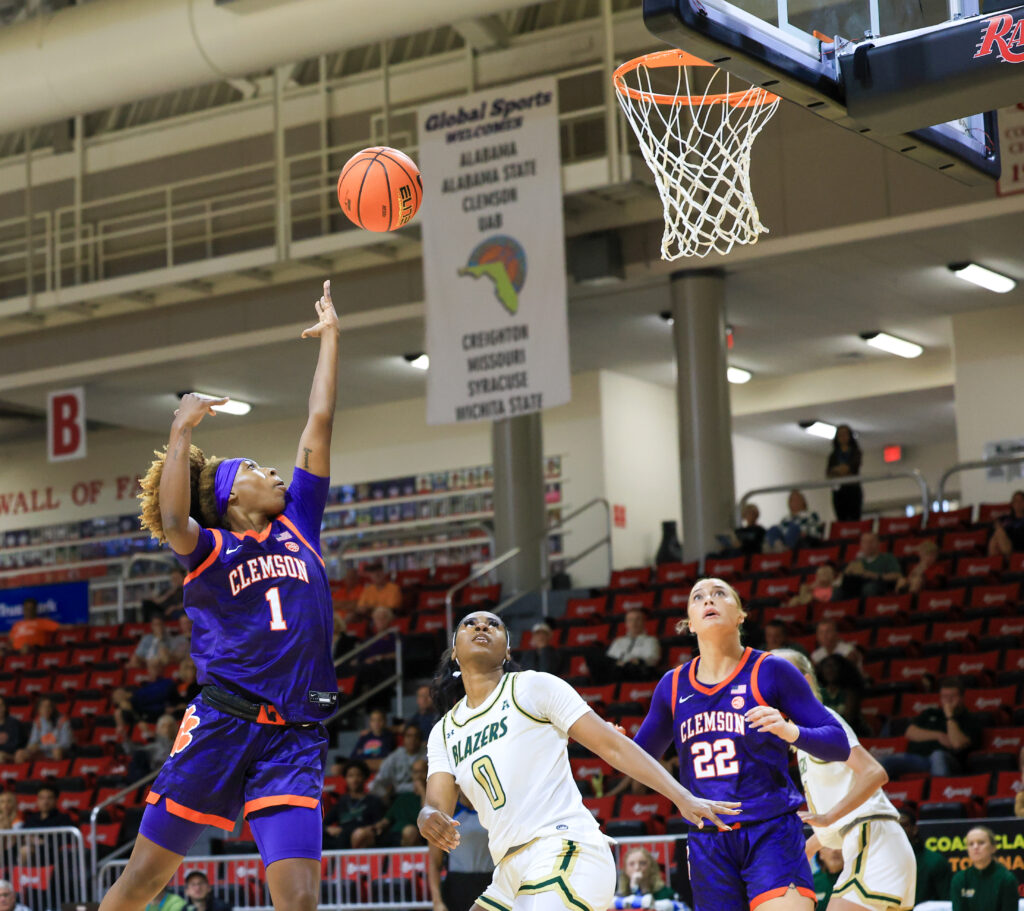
{"x":257,"y":592}
{"x":732,"y":713}
{"x":503,"y":740}
{"x":843,"y":462}
{"x":986,"y":885}
{"x":849,"y":811}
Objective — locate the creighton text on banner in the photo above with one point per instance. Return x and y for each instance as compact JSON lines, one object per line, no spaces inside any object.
{"x":494,"y":254}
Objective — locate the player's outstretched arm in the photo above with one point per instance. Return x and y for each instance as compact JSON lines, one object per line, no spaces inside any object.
{"x":315,"y":444}
{"x":869,"y":777}
{"x":182,"y":532}
{"x":435,"y":819}
{"x":620,"y":752}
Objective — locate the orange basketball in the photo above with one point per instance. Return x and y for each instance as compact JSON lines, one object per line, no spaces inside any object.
{"x":380,"y":189}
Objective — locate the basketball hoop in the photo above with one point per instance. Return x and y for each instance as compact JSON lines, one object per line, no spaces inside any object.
{"x":701,"y":169}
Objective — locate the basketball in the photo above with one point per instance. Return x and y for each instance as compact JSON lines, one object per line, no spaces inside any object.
{"x":380,"y":189}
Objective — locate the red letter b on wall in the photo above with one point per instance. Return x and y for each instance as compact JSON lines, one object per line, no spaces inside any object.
{"x":65,"y":425}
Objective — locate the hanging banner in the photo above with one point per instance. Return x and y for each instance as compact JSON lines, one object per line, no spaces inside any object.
{"x":65,"y":425}
{"x":494,"y":254}
{"x":66,"y":603}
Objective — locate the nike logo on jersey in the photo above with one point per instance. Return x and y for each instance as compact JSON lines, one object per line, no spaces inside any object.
{"x":231,"y":550}
{"x":683,"y":699}
{"x":274,"y":566}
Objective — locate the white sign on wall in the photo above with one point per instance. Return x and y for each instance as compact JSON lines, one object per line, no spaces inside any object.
{"x":65,"y":425}
{"x":1011,"y":150}
{"x":494,"y":254}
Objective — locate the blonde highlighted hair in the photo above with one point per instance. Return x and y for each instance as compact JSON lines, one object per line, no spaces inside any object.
{"x":802,"y":663}
{"x":650,"y":881}
{"x":683,"y":626}
{"x":202,"y":503}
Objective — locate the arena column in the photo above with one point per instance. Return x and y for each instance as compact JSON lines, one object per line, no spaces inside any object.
{"x":517,"y":449}
{"x":705,"y":419}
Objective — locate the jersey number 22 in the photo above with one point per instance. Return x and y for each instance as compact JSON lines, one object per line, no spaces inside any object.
{"x":711,"y":760}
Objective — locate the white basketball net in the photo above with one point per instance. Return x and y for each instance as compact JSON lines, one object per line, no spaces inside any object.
{"x":699,"y":152}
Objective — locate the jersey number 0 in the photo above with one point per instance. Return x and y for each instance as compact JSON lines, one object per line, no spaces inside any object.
{"x":487,"y":777}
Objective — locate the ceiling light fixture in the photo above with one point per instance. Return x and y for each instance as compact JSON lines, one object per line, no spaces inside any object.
{"x":667,"y":316}
{"x":891,"y":344}
{"x":231,"y":406}
{"x":982,"y":277}
{"x":738,"y":375}
{"x":819,"y":429}
{"x":418,"y":360}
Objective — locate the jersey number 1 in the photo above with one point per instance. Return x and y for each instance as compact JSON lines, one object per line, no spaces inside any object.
{"x":710,"y":760}
{"x":276,"y":617}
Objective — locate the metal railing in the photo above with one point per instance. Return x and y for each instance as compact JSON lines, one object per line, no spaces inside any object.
{"x":478,"y":573}
{"x":940,"y":491}
{"x":94,"y":821}
{"x":45,"y":866}
{"x":834,"y":483}
{"x":397,"y":678}
{"x":427,"y":530}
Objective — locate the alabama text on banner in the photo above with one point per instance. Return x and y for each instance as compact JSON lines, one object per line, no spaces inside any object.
{"x":65,"y":603}
{"x":494,"y":254}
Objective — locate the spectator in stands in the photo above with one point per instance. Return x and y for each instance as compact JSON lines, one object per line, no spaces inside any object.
{"x":342,"y":641}
{"x":635,"y":654}
{"x":842,"y":689}
{"x":51,"y":736}
{"x":748,"y":538}
{"x":199,"y":896}
{"x":349,"y":823}
{"x":179,"y":645}
{"x":31,"y":631}
{"x":1018,"y":800}
{"x":927,"y":557}
{"x":155,"y":692}
{"x":398,"y":827}
{"x":152,"y":755}
{"x":426,"y":715}
{"x":124,"y":714}
{"x":829,"y":643}
{"x":12,"y":734}
{"x":821,"y":588}
{"x":10,"y":816}
{"x":470,"y":868}
{"x":46,"y":816}
{"x":800,"y":527}
{"x":165,"y":900}
{"x":168,"y":604}
{"x":873,"y":572}
{"x":542,"y":655}
{"x":375,"y":743}
{"x":153,"y":646}
{"x":377,"y":660}
{"x":826,"y":872}
{"x":985,"y":885}
{"x":940,"y":737}
{"x":1008,"y":534}
{"x":395,"y":773}
{"x":188,"y":685}
{"x":776,"y":635}
{"x":843,"y":462}
{"x":346,"y":595}
{"x":9,"y":899}
{"x":379,"y":591}
{"x":933,"y":872}
{"x":641,"y":878}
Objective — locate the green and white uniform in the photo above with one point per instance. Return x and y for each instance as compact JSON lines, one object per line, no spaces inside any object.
{"x":509,"y":757}
{"x":879,"y":869}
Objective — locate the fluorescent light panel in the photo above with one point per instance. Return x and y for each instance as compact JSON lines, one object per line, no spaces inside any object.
{"x":231,"y":406}
{"x":983,"y":278}
{"x":738,"y":375}
{"x":890,"y":344}
{"x":821,"y":429}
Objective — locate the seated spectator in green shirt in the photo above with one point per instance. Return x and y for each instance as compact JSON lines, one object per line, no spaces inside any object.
{"x":986,"y":885}
{"x":933,"y":871}
{"x":826,"y":872}
{"x":873,"y":572}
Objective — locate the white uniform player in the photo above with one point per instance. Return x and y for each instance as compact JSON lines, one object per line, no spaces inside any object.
{"x":509,"y":757}
{"x":879,"y":868}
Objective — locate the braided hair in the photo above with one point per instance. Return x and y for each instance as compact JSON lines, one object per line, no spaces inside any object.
{"x":202,"y":503}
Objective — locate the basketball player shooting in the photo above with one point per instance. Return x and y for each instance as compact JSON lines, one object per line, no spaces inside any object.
{"x":258,"y":596}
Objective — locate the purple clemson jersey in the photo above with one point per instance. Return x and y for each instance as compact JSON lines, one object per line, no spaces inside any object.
{"x":720,"y":757}
{"x":261,"y":607}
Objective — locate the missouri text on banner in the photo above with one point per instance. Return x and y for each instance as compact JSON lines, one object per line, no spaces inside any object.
{"x":494,"y":254}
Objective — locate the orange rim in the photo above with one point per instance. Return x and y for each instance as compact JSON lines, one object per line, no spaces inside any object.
{"x":752,"y":97}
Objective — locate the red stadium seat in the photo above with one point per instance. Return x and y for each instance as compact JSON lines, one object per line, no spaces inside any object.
{"x":743,"y":587}
{"x":1008,"y":784}
{"x":643,"y":806}
{"x":480,"y":594}
{"x":875,"y":708}
{"x":972,"y":664}
{"x":1003,"y":740}
{"x":1014,"y":660}
{"x":92,"y":766}
{"x":69,"y":634}
{"x":89,"y":654}
{"x":82,"y":708}
{"x":585,"y":608}
{"x":631,"y":723}
{"x":906,"y":546}
{"x":951,"y":519}
{"x":598,"y":694}
{"x":674,"y":600}
{"x":850,"y":530}
{"x":78,"y":801}
{"x":50,"y":658}
{"x":578,"y":666}
{"x":882,"y":747}
{"x":70,"y":681}
{"x":991,"y":699}
{"x":931,"y":602}
{"x":881,"y":607}
{"x":430,"y":600}
{"x":632,"y":601}
{"x":335,"y":784}
{"x":834,"y":610}
{"x":796,"y":613}
{"x":901,"y":636}
{"x":106,"y":834}
{"x":347,"y":685}
{"x":449,"y":575}
{"x":635,"y":692}
{"x":630,"y":578}
{"x":31,"y":879}
{"x":811,"y":557}
{"x":651,"y":627}
{"x":602,"y":807}
{"x":724,"y":567}
{"x":680,"y":654}
{"x":900,"y":792}
{"x":1006,"y":627}
{"x":898,"y":525}
{"x":19,"y":663}
{"x":579,"y":636}
{"x":989,"y":596}
{"x":964,"y":541}
{"x":978,"y":567}
{"x":15,"y":771}
{"x":103,"y":632}
{"x":960,"y":631}
{"x":585,"y":769}
{"x":428,"y":622}
{"x":51,"y":768}
{"x":526,"y":639}
{"x":781,"y":587}
{"x":771,"y":563}
{"x":987,"y":512}
{"x":959,"y":789}
{"x":912,"y":704}
{"x":32,"y":683}
{"x":676,"y":573}
{"x":412,"y":578}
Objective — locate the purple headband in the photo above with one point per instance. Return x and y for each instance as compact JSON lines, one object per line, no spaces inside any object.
{"x":223,"y":481}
